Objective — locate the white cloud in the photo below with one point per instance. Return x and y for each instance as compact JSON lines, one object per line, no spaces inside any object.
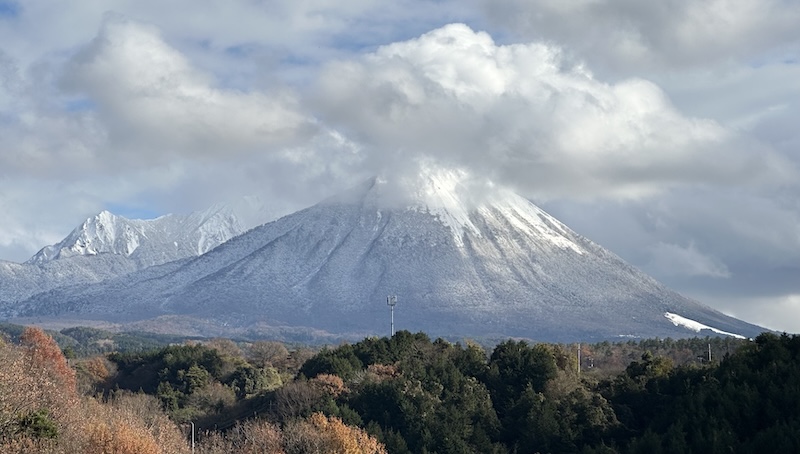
{"x":520,"y":114}
{"x":629,"y":34}
{"x":154,"y":102}
{"x":35,"y":214}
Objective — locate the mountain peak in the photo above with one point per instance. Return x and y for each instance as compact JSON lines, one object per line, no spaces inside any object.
{"x":164,"y":238}
{"x":465,"y":205}
{"x":104,"y":232}
{"x":465,"y":257}
{"x":104,"y":219}
{"x":433,"y":189}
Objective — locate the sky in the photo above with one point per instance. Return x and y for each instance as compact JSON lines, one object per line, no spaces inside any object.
{"x":665,"y":131}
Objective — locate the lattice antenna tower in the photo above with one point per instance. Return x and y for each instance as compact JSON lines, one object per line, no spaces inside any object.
{"x":391,"y":301}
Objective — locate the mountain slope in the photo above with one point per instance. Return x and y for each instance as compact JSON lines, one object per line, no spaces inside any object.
{"x":106,"y":246}
{"x":496,"y":265}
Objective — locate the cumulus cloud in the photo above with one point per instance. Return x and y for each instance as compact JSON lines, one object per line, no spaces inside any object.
{"x":521,"y":114}
{"x":154,"y":102}
{"x":628,"y":34}
{"x":35,"y":138}
{"x":129,"y":120}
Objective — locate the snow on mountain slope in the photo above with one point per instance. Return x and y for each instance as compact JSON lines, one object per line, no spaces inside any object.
{"x":107,"y":246}
{"x":677,"y":320}
{"x":20,"y":281}
{"x":147,"y":242}
{"x":461,"y":263}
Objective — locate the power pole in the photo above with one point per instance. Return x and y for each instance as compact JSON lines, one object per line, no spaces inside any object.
{"x":391,"y":300}
{"x":579,"y":359}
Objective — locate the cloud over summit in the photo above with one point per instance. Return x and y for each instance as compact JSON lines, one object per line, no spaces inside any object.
{"x":520,"y":114}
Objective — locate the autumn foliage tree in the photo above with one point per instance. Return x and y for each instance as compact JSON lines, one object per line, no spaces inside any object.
{"x":18,"y":394}
{"x":46,"y":356}
{"x":128,"y":424}
{"x":320,"y":434}
{"x":37,"y":392}
{"x":42,"y":412}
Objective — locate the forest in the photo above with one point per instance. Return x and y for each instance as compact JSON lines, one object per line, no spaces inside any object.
{"x":403,"y":394}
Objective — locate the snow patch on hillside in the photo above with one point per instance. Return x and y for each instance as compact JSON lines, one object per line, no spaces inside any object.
{"x":442,"y":195}
{"x":527,"y":217}
{"x":453,"y":198}
{"x":677,"y":320}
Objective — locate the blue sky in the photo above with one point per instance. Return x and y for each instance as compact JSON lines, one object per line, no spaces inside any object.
{"x":665,"y":134}
{"x":9,"y":9}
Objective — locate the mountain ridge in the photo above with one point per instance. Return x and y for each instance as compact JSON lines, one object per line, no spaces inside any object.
{"x":106,"y":246}
{"x":512,"y":270}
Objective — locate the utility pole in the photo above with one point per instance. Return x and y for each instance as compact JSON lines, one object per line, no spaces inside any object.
{"x":391,"y":301}
{"x":709,"y":353}
{"x":579,"y":359}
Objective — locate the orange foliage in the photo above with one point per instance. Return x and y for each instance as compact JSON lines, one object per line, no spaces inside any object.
{"x":46,"y":354}
{"x":146,"y":410}
{"x":329,"y":384}
{"x":35,"y":377}
{"x":329,"y":435}
{"x":93,"y":373}
{"x":97,"y":369}
{"x":115,"y":438}
{"x":119,"y":428}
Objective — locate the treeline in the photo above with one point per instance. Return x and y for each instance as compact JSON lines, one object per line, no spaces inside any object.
{"x":421,"y":396}
{"x":82,"y":341}
{"x":406,"y":394}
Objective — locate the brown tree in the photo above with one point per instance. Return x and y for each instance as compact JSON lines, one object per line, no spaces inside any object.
{"x":46,"y":356}
{"x":332,"y":385}
{"x":320,"y":434}
{"x":225,"y":347}
{"x":268,"y":353}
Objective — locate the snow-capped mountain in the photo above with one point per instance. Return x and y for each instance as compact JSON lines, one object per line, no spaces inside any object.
{"x":147,"y":242}
{"x":107,"y":246}
{"x":461,"y":262}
